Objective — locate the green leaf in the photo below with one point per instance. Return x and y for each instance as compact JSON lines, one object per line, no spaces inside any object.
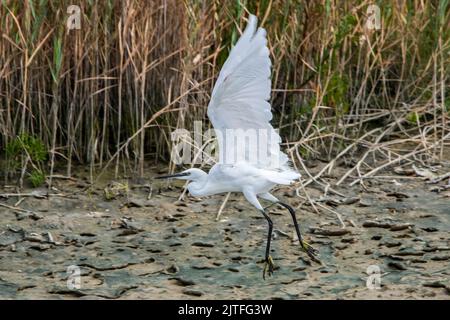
{"x":36,"y":178}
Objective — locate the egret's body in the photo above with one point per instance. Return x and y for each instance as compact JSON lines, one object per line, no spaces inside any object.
{"x":241,"y":177}
{"x":240,"y":101}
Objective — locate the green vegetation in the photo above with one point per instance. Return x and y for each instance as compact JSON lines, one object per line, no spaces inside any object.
{"x":111,"y":93}
{"x":26,"y":151}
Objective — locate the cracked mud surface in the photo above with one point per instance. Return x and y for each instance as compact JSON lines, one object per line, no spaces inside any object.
{"x":133,"y":247}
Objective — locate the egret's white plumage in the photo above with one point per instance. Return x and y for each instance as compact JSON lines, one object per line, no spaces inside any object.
{"x":239,"y":101}
{"x":240,"y":97}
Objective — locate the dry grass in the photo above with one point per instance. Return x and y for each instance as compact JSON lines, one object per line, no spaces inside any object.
{"x":109,"y":95}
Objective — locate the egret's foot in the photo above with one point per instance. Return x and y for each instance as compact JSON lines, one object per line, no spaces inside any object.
{"x":268,"y":267}
{"x":310,"y":251}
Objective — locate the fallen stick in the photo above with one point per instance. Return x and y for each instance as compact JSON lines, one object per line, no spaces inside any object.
{"x":14,"y":208}
{"x":59,"y":176}
{"x":222,"y":206}
{"x":325,"y":187}
{"x":368,"y":174}
{"x":342,"y":153}
{"x":31,"y":194}
{"x":440,"y":178}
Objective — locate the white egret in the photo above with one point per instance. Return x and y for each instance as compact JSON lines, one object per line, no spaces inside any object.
{"x":239,"y":103}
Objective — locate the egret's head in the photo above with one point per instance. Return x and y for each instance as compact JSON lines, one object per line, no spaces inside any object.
{"x":192,"y":174}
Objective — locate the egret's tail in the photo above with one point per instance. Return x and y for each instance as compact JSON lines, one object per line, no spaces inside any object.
{"x":283,"y":177}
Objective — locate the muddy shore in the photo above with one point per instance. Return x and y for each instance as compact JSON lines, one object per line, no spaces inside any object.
{"x":144,"y":243}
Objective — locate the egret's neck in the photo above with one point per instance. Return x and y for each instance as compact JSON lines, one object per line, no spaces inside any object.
{"x":197,"y":186}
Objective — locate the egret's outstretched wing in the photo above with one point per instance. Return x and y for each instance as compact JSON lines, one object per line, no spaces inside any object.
{"x":239,"y":101}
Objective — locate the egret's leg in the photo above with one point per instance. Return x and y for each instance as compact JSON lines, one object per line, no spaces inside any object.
{"x":268,"y":265}
{"x":312,"y":253}
{"x":267,"y":196}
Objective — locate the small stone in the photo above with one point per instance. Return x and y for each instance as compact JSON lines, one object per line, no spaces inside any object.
{"x":34,"y":237}
{"x":365,"y":202}
{"x":301,"y":268}
{"x":430,"y":229}
{"x":399,"y":227}
{"x":140,"y":203}
{"x":397,"y":265}
{"x":435,"y":284}
{"x":375,"y":224}
{"x":202,"y":244}
{"x":184,"y":282}
{"x":36,"y":216}
{"x":398,"y":195}
{"x":410,"y":252}
{"x":131,"y":225}
{"x":394,"y":257}
{"x":440,"y":257}
{"x":330,"y":231}
{"x":40,"y":247}
{"x":191,"y":292}
{"x":15,"y":229}
{"x":390,"y":244}
{"x":341,"y":246}
{"x":128,"y":232}
{"x":173,"y":269}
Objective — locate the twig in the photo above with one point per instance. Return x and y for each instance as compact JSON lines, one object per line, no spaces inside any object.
{"x":440,"y":178}
{"x":31,"y":194}
{"x":222,"y":206}
{"x":403,"y":157}
{"x":14,"y":208}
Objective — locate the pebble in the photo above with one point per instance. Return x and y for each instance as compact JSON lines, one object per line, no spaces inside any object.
{"x":173,"y":269}
{"x":399,"y":227}
{"x":390,"y":244}
{"x":348,"y":240}
{"x":330,"y":232}
{"x":202,"y":244}
{"x":397,"y":265}
{"x":184,"y":282}
{"x":436,"y":284}
{"x":191,"y":292}
{"x":34,"y":237}
{"x":376,"y":224}
{"x":440,"y":258}
{"x":430,"y":229}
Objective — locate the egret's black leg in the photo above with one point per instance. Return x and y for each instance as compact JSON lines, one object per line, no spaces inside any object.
{"x":268,"y":267}
{"x":312,"y":253}
{"x":270,"y":205}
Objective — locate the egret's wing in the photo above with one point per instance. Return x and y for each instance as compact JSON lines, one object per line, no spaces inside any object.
{"x":240,"y":100}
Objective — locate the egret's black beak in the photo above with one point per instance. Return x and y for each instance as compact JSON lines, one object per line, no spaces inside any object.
{"x":176,"y":175}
